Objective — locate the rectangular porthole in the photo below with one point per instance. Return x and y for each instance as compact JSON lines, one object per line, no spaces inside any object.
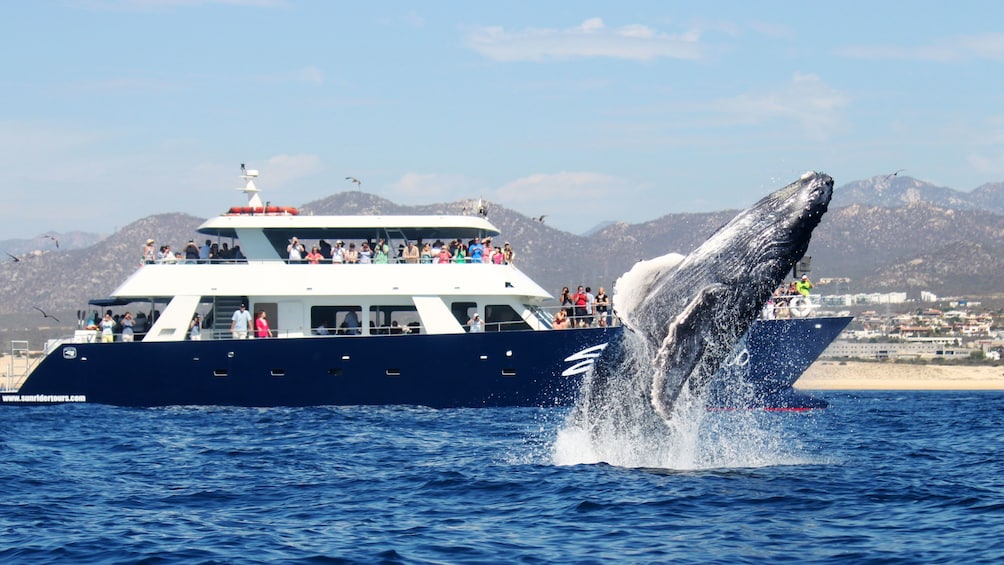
{"x":278,"y":372}
{"x":219,"y":372}
{"x":393,"y":372}
{"x":508,"y":372}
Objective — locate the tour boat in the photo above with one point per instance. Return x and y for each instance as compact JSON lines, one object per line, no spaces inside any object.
{"x":362,"y":334}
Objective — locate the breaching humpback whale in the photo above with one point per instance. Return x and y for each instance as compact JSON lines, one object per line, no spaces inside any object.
{"x":683,"y":315}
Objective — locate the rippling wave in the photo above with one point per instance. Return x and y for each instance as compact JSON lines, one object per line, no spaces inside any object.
{"x":902,"y":477}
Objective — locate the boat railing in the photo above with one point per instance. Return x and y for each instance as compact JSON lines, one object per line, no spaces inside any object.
{"x":20,"y":362}
{"x":789,"y":306}
{"x":390,"y":261}
{"x":578,"y":319}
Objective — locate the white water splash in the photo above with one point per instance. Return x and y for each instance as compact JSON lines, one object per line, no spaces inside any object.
{"x":618,"y":425}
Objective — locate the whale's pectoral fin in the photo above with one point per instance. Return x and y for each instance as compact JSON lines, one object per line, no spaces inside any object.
{"x":683,"y":348}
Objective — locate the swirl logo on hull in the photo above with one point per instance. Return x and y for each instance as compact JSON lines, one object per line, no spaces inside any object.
{"x":583,"y":360}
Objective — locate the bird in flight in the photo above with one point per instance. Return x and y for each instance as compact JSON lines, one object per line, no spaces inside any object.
{"x":356,"y":181}
{"x":46,"y":315}
{"x":15,"y":258}
{"x":53,"y":238}
{"x":540,"y":218}
{"x":887,"y":177}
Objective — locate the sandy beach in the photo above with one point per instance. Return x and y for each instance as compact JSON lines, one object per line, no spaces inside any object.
{"x":857,"y":375}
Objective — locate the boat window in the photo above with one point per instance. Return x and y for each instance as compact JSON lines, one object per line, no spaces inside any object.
{"x":503,"y":318}
{"x":463,"y":311}
{"x":339,"y":320}
{"x":394,"y":320}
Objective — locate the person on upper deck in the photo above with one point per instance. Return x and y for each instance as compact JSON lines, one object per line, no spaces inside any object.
{"x":411,"y":253}
{"x":381,"y":253}
{"x":314,"y":257}
{"x":191,"y":252}
{"x":508,"y":255}
{"x":351,"y":255}
{"x":338,"y":253}
{"x":476,"y":250}
{"x":295,"y":250}
{"x":365,"y":255}
{"x":149,"y":252}
{"x":204,"y":251}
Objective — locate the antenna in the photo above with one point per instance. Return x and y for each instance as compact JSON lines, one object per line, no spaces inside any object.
{"x":250,"y":189}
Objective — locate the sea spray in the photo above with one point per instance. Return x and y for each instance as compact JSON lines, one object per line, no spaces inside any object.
{"x":614,"y":419}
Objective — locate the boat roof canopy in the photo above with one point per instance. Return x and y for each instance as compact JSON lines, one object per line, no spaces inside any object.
{"x":281,"y":228}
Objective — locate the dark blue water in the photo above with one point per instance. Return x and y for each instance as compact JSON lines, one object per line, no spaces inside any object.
{"x":878,"y":477}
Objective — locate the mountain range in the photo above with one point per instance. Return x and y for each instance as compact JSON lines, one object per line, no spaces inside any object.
{"x":886,"y":233}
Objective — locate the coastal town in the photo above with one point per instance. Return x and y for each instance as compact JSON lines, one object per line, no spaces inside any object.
{"x":890,"y":326}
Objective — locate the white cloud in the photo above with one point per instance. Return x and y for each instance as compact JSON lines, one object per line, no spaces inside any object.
{"x":963,"y":47}
{"x":592,"y":38}
{"x":423,"y":188}
{"x":286,"y":168}
{"x":806,"y":100}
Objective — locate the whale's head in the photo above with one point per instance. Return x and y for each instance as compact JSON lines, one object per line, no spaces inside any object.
{"x":773,"y":234}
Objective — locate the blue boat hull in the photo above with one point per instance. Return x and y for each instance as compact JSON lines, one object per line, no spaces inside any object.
{"x":522,"y":368}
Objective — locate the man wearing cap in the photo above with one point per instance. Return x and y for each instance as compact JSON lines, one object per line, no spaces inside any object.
{"x":804,"y":286}
{"x":240,"y":323}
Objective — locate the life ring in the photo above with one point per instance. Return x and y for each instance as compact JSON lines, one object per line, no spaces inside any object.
{"x":800,"y":306}
{"x":275,"y":210}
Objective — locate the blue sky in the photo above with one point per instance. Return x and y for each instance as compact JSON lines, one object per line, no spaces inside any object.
{"x":585,"y":111}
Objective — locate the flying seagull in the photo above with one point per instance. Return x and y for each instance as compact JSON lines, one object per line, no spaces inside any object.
{"x":14,"y":257}
{"x":53,"y":238}
{"x":540,"y":218}
{"x":45,"y":315}
{"x":887,"y":177}
{"x":357,"y":182}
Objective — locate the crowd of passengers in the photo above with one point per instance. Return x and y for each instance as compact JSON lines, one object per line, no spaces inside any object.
{"x":368,"y":252}
{"x":380,"y":252}
{"x":583,"y":309}
{"x":192,"y":253}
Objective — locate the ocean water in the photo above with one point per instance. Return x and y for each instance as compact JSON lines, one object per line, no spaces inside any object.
{"x":890,"y":477}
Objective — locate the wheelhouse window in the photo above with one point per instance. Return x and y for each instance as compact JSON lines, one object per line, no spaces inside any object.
{"x":503,"y":318}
